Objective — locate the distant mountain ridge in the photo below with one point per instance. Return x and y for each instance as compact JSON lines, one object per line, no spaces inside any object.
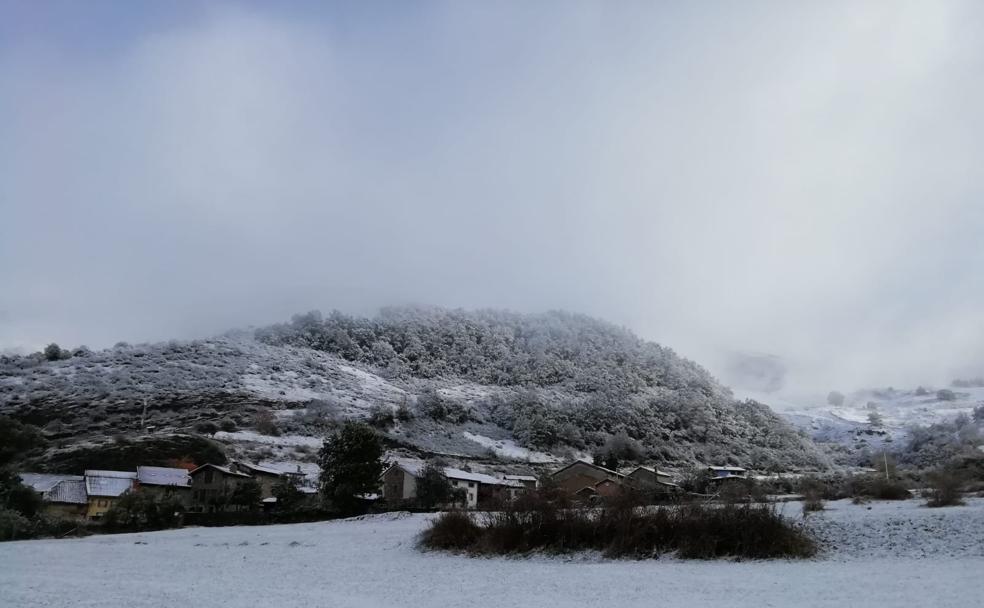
{"x":472,"y":384}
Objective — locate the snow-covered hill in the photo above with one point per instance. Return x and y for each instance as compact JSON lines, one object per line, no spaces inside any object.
{"x":488,"y":386}
{"x":870,"y":420}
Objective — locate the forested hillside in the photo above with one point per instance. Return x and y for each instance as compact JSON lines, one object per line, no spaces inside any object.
{"x":478,"y":385}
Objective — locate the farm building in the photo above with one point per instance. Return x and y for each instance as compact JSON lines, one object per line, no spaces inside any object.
{"x":212,"y":485}
{"x":42,"y":482}
{"x":63,"y":495}
{"x":67,"y":499}
{"x":651,"y":482}
{"x":267,"y":477}
{"x":399,"y":483}
{"x":104,"y":489}
{"x":165,"y":483}
{"x":582,"y":474}
{"x":528,"y":481}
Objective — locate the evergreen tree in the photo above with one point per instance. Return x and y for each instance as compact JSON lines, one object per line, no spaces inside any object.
{"x":351,"y":463}
{"x":433,"y":488}
{"x":287,"y":495}
{"x":247,"y":494}
{"x":52,"y":352}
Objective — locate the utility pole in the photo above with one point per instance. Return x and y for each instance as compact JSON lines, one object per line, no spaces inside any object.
{"x":885,"y":457}
{"x":143,"y":415}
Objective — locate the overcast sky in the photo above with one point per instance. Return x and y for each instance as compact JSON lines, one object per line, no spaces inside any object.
{"x":795,"y":178}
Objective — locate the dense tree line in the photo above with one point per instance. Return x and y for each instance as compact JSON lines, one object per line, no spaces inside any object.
{"x":575,"y":381}
{"x":495,"y":347}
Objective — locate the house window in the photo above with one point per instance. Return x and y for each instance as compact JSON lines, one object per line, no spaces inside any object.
{"x":471,"y":484}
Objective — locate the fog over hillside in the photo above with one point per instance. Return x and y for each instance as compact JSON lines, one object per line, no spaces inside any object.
{"x":768,"y":177}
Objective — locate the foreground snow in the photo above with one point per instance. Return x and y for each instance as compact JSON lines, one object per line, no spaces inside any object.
{"x":372,"y":562}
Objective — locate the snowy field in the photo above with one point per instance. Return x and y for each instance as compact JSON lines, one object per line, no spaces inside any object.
{"x":892,"y":555}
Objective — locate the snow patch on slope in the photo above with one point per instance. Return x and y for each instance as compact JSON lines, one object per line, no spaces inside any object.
{"x":507,"y":448}
{"x":280,"y":441}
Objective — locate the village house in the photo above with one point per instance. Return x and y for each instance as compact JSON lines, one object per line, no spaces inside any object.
{"x":651,"y":482}
{"x":43,"y":482}
{"x":212,"y":485}
{"x":582,"y":478}
{"x":67,"y":500}
{"x":267,"y":477}
{"x":399,"y":483}
{"x":105,"y":488}
{"x":165,"y":483}
{"x":528,"y":482}
{"x":482,"y":490}
{"x":63,"y":495}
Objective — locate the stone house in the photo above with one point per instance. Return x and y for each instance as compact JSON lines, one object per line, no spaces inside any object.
{"x":212,"y":486}
{"x":165,"y":483}
{"x":651,"y":482}
{"x":399,"y":483}
{"x":582,"y":474}
{"x":267,"y":477}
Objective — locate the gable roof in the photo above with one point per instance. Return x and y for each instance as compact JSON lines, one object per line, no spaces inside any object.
{"x":108,"y":483}
{"x":114,"y":474}
{"x":70,"y":491}
{"x":652,"y":470}
{"x":256,"y":468}
{"x":519,"y":477}
{"x":478,"y":477}
{"x":163,"y":476}
{"x":583,"y":462}
{"x":223,"y":470}
{"x":415,"y":470}
{"x":42,"y":482}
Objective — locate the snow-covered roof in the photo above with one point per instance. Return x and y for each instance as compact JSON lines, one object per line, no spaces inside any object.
{"x":652,"y":470}
{"x":70,"y":491}
{"x":116,"y":474}
{"x":519,"y":477}
{"x":732,"y":469}
{"x":415,"y":469}
{"x":590,"y":464}
{"x":42,"y":482}
{"x":478,"y":477}
{"x":108,"y":483}
{"x":163,"y":476}
{"x":256,"y":468}
{"x":225,"y":470}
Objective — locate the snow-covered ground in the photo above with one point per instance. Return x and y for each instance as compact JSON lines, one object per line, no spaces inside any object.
{"x":372,"y":562}
{"x":507,"y":448}
{"x":849,"y":423}
{"x":278,"y":440}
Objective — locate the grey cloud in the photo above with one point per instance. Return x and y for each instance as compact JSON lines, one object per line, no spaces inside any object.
{"x":795,"y":180}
